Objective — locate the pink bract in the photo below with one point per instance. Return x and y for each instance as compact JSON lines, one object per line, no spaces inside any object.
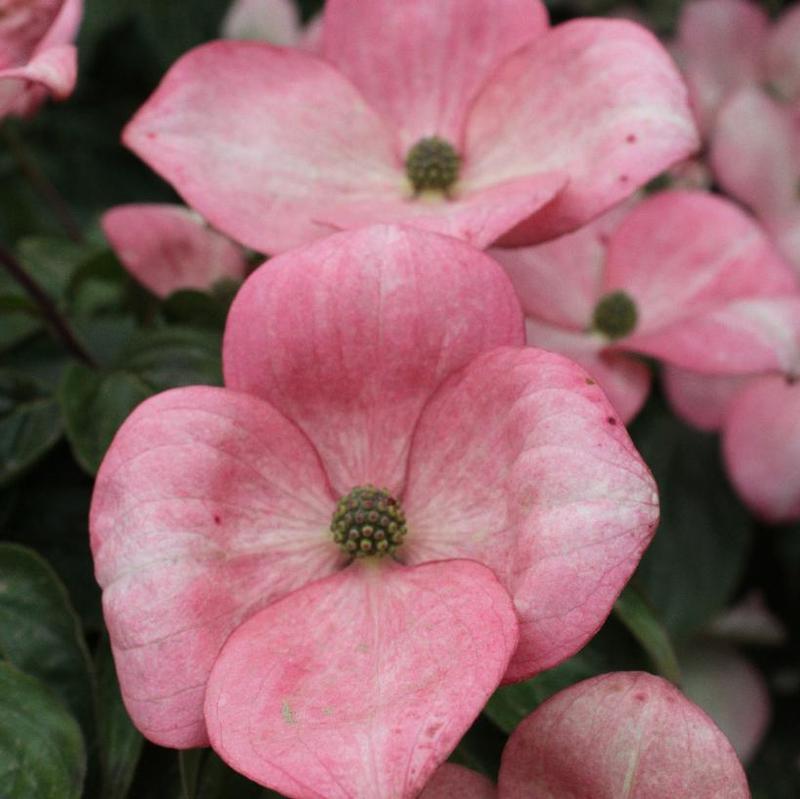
{"x":622,"y":734}
{"x":169,"y":247}
{"x":695,"y":268}
{"x":387,"y":356}
{"x":724,"y":46}
{"x":755,"y":155}
{"x":758,"y":416}
{"x":37,"y":57}
{"x":279,"y":147}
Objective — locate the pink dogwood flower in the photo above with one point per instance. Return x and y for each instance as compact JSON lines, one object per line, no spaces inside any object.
{"x":727,"y":45}
{"x":169,"y":247}
{"x":37,"y":57}
{"x":470,"y":118}
{"x":379,"y":402}
{"x":622,"y":734}
{"x":755,"y":155}
{"x":273,"y":21}
{"x":758,"y":417}
{"x":676,"y":278}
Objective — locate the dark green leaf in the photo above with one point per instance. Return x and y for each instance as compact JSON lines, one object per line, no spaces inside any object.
{"x":30,"y":423}
{"x":40,"y":632}
{"x":42,"y":755}
{"x":94,"y":404}
{"x":641,"y":619}
{"x":691,"y":569}
{"x":175,"y":356}
{"x":205,"y":776}
{"x":119,"y":742}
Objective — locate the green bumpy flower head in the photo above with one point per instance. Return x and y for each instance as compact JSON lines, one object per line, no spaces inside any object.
{"x":432,"y":164}
{"x":368,"y":521}
{"x":615,"y":315}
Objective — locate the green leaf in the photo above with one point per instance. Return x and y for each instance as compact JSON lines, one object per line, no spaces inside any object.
{"x":692,"y":567}
{"x":640,"y":618}
{"x":30,"y":423}
{"x":512,"y":703}
{"x":205,"y":776}
{"x":175,"y":356}
{"x":119,"y":742}
{"x":40,"y":632}
{"x":42,"y":755}
{"x":94,"y":404}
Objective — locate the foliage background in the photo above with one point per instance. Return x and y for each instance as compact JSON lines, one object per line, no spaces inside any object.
{"x":63,"y":731}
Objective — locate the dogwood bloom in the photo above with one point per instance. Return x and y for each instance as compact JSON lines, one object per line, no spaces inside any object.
{"x":677,"y":278}
{"x":622,"y":734}
{"x":758,"y":416}
{"x":469,"y":117}
{"x":169,"y":247}
{"x":727,"y":45}
{"x":37,"y":57}
{"x":755,"y":156}
{"x":326,"y":567}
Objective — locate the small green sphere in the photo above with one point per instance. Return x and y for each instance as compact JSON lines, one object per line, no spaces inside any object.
{"x":432,"y":163}
{"x":368,"y":522}
{"x":615,"y":315}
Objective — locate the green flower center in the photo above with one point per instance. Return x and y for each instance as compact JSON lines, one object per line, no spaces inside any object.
{"x":368,"y":522}
{"x":615,"y":315}
{"x":432,"y":163}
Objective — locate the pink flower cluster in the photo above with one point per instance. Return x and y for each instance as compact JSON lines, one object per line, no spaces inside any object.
{"x":405,"y":495}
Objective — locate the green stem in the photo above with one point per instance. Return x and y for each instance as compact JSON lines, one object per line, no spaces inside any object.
{"x":41,"y":183}
{"x":47,"y":307}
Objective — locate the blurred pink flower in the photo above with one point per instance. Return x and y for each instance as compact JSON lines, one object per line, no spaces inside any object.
{"x":622,"y":734}
{"x":676,"y":278}
{"x":169,"y":247}
{"x":224,"y":520}
{"x":758,"y":417}
{"x":37,"y":57}
{"x":755,"y":155}
{"x":471,"y":118}
{"x":727,"y":45}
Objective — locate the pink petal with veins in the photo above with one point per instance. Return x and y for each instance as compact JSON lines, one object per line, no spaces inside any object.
{"x":622,"y":734}
{"x":208,"y":506}
{"x":363,"y":683}
{"x":551,"y":494}
{"x":169,"y":247}
{"x":599,"y":100}
{"x":421,"y":64}
{"x":349,"y":336}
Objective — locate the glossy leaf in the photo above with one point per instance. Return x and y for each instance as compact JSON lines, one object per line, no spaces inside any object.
{"x":40,"y":633}
{"x":30,"y":423}
{"x":42,"y":754}
{"x":692,"y":567}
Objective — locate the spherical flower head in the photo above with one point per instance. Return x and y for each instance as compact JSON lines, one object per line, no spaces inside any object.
{"x":239,"y":612}
{"x":368,"y":521}
{"x":443,"y":121}
{"x":432,"y":164}
{"x":614,"y":315}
